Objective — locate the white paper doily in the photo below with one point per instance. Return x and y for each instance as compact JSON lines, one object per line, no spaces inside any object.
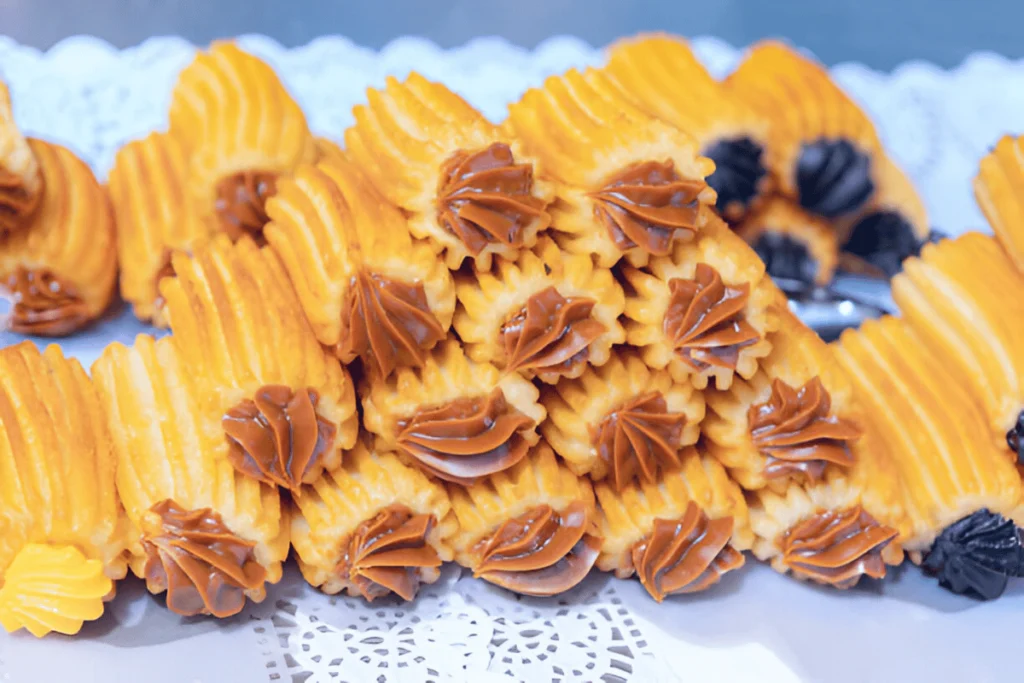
{"x":753,"y":626}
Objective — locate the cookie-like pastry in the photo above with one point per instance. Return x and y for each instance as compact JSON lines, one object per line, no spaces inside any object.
{"x":796,"y":246}
{"x":368,"y":289}
{"x":286,"y":405}
{"x":823,"y":149}
{"x":63,"y":532}
{"x":532,"y":529}
{"x":962,"y":492}
{"x":454,"y":418}
{"x":678,"y":534}
{"x":470,"y":189}
{"x":372,"y":527}
{"x":240,"y":130}
{"x":60,"y":270}
{"x":892,"y":228}
{"x":999,"y":191}
{"x":204,"y":531}
{"x":628,"y":185}
{"x":622,"y":422}
{"x":705,"y":311}
{"x":661,"y":75}
{"x":962,"y":299}
{"x":21,"y":181}
{"x":549,"y":314}
{"x":155,"y":217}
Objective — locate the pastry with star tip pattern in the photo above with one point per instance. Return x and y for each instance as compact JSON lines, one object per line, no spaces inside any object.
{"x":999,"y":191}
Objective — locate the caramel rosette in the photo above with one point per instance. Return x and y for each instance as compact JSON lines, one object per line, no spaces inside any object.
{"x":685,"y":555}
{"x":796,"y":431}
{"x":550,"y":333}
{"x":639,"y":439}
{"x":44,"y":304}
{"x":277,"y":437}
{"x":17,"y":203}
{"x":203,"y":566}
{"x":837,"y":547}
{"x":240,"y":203}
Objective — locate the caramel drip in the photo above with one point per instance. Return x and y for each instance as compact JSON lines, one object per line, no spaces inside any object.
{"x":705,"y":322}
{"x":837,"y":547}
{"x":484,"y":197}
{"x":278,"y":437}
{"x":639,"y":439}
{"x":241,"y":203}
{"x":389,"y":553}
{"x":17,"y":203}
{"x":387,"y":323}
{"x":466,"y":439}
{"x":44,"y":304}
{"x":648,"y":205}
{"x":203,"y":566}
{"x":551,"y":334}
{"x":540,"y":552}
{"x":685,"y":555}
{"x":796,"y":432}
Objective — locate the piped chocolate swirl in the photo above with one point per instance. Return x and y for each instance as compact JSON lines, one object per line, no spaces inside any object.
{"x":833,"y":177}
{"x":977,"y":555}
{"x":883,"y":240}
{"x":739,"y":174}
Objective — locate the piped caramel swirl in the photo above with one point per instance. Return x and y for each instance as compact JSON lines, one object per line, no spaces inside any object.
{"x":648,"y":205}
{"x":203,"y":566}
{"x":685,"y":555}
{"x":705,"y":320}
{"x":44,"y":304}
{"x":797,"y":433}
{"x":540,"y":552}
{"x":639,"y":439}
{"x":241,"y":203}
{"x":837,"y":547}
{"x":466,"y":439}
{"x":389,"y":553}
{"x":277,"y":437}
{"x":17,"y":202}
{"x":550,"y":335}
{"x":387,"y":323}
{"x":484,"y":197}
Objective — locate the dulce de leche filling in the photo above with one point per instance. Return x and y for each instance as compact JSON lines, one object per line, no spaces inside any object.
{"x":639,"y":439}
{"x":203,"y":566}
{"x":466,"y":439}
{"x":685,"y":555}
{"x":241,"y":203}
{"x":277,"y":437}
{"x":389,"y":553}
{"x":648,"y":205}
{"x":550,"y":335}
{"x":17,"y":203}
{"x":484,"y":197}
{"x":837,"y":547}
{"x":540,"y":552}
{"x":797,"y":433}
{"x":705,"y":320}
{"x":387,"y":323}
{"x":44,"y":304}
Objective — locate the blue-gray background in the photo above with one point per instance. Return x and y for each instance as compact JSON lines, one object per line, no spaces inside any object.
{"x":880,"y":33}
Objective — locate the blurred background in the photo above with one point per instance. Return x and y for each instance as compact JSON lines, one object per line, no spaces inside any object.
{"x":879,"y":33}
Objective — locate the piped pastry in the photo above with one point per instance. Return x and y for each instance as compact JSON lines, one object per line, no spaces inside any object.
{"x":962,"y":492}
{"x":63,"y":533}
{"x":454,"y":418}
{"x":661,"y":75}
{"x":286,"y":406}
{"x":628,"y":185}
{"x":21,"y":180}
{"x":532,"y":529}
{"x":823,"y":149}
{"x":368,"y":289}
{"x":999,"y":191}
{"x":372,"y":527}
{"x":798,"y":248}
{"x":962,"y":298}
{"x":705,"y":311}
{"x":240,"y":130}
{"x":203,"y":531}
{"x":678,"y":534}
{"x":622,"y":422}
{"x":549,"y":314}
{"x":471,"y":190}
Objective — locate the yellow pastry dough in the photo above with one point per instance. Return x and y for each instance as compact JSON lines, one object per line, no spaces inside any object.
{"x":794,"y":244}
{"x":21,"y":182}
{"x":999,"y":191}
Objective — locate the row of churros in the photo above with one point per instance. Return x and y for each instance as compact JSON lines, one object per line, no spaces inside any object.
{"x":531,"y":348}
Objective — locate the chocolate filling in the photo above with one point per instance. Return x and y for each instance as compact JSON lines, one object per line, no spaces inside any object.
{"x":1015,"y":438}
{"x":977,"y":555}
{"x":739,"y":171}
{"x":786,"y":257}
{"x":833,"y":177}
{"x":884,"y":239}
